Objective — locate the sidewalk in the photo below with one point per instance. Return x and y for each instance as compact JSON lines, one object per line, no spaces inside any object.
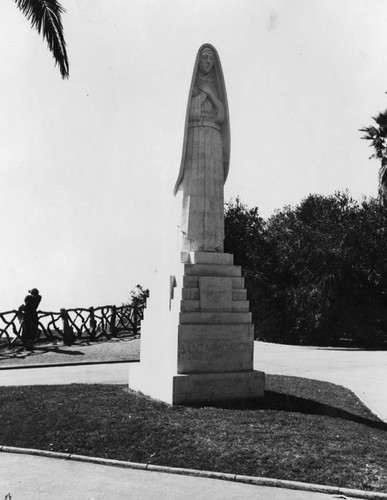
{"x":94,"y":363}
{"x":363,"y":372}
{"x":28,"y":477}
{"x":56,"y":353}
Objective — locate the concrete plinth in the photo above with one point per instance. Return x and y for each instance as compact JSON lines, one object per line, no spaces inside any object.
{"x":218,"y":387}
{"x":199,"y":346}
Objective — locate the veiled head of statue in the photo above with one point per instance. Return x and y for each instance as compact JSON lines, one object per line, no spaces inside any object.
{"x":207,"y":60}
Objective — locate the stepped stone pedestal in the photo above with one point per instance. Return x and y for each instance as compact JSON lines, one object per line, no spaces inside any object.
{"x":199,"y":348}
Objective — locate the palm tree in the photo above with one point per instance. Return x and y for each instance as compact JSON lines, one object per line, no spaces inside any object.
{"x":378,"y":137}
{"x":45,"y":16}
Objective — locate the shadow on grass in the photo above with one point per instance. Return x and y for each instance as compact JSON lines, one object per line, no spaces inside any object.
{"x":278,"y":401}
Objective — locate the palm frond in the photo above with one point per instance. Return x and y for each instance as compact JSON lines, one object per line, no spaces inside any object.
{"x":371,"y":132}
{"x":381,"y":119}
{"x":45,"y":17}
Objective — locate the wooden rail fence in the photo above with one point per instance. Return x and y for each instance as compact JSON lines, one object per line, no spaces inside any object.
{"x":92,"y":323}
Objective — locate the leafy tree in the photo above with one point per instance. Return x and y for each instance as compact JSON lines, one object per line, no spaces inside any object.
{"x":134,"y":309}
{"x":316,"y":273}
{"x":45,"y":17}
{"x":378,"y":137}
{"x":139,"y":296}
{"x":245,"y":238}
{"x":244,"y":230}
{"x":331,"y":268}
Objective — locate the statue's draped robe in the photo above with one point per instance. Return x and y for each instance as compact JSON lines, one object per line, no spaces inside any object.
{"x":204,"y":166}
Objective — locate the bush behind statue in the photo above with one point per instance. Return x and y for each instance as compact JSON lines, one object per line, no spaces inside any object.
{"x":315,"y":273}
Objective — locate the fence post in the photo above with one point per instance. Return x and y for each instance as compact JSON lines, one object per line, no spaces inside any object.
{"x":68,"y":334}
{"x":93,"y":323}
{"x":135,"y":319}
{"x":113,"y":317}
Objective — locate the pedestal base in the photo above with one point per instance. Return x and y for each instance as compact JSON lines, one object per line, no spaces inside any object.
{"x":199,"y":348}
{"x":218,"y":387}
{"x":192,"y":389}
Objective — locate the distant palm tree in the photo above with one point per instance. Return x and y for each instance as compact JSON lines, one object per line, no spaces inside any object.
{"x":45,"y":17}
{"x":378,"y":137}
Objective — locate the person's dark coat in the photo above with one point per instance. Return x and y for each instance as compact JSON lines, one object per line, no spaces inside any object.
{"x":30,"y":324}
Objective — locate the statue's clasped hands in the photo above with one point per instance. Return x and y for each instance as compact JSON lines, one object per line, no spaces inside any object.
{"x":204,"y":87}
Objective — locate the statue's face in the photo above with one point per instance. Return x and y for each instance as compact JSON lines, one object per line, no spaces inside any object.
{"x":206,"y":60}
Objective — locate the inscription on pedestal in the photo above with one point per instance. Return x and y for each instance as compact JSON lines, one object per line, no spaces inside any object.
{"x":214,"y":349}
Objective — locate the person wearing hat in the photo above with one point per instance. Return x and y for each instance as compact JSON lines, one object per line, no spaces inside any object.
{"x":30,"y":318}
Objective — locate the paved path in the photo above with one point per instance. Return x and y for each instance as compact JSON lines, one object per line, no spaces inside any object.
{"x":53,"y":353}
{"x":363,"y":372}
{"x":115,"y":373}
{"x":28,"y":477}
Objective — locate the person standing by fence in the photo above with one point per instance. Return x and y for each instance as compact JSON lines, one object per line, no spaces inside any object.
{"x":30,"y":318}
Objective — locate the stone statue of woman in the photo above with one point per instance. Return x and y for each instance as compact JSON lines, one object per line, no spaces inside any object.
{"x":206,"y":156}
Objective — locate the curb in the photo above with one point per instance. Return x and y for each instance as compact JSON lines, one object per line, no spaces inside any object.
{"x":76,"y":363}
{"x":253,"y":480}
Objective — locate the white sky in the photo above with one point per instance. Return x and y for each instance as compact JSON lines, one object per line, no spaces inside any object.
{"x":88,"y":164}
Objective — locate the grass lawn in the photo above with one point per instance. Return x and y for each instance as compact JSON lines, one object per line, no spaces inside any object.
{"x":302,"y":430}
